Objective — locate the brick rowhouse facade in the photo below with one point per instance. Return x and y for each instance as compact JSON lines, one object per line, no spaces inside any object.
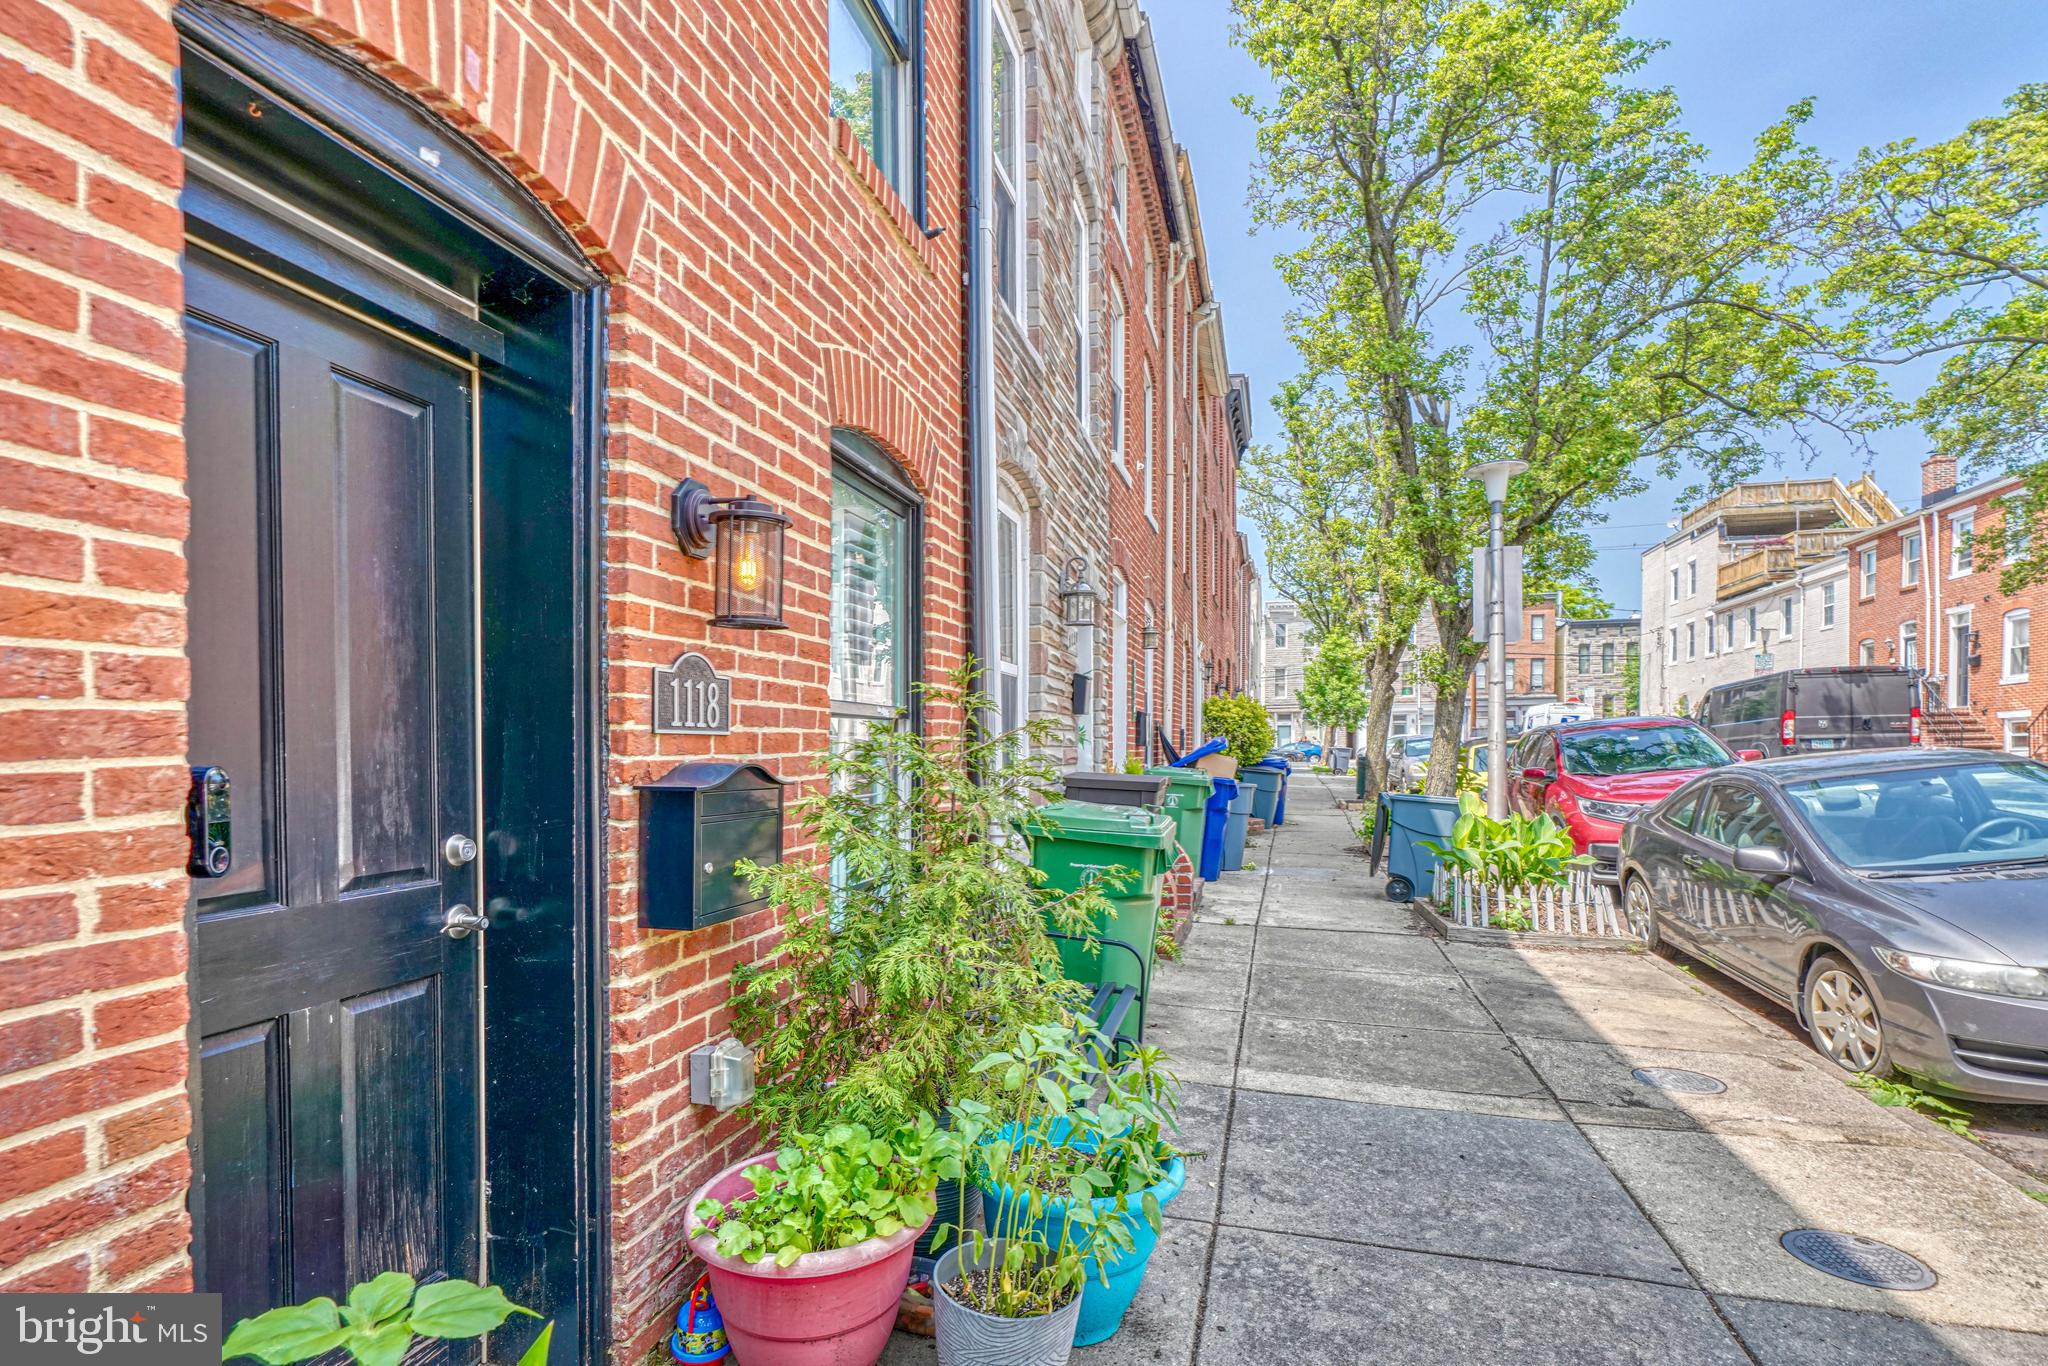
{"x":768,"y":285}
{"x":1940,"y":609}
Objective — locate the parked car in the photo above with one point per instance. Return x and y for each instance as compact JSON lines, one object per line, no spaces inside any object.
{"x":1406,"y":756}
{"x":1594,"y":776}
{"x":1302,"y":751}
{"x":1804,"y":711}
{"x":1893,"y":899}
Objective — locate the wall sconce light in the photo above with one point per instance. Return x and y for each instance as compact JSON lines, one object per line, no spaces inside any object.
{"x":1148,"y":638}
{"x":747,"y":535}
{"x":1077,"y":595}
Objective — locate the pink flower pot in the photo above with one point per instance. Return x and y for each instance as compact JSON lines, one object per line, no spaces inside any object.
{"x":824,"y":1309}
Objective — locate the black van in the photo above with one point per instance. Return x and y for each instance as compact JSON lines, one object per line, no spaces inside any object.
{"x":1806,"y":711}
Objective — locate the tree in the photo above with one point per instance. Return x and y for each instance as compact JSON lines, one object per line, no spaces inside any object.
{"x":1575,"y":600}
{"x":1450,"y":157}
{"x":1632,"y":682}
{"x":1941,"y":252}
{"x":1333,"y":689}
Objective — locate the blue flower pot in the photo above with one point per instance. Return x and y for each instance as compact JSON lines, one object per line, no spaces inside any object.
{"x":1112,"y":1284}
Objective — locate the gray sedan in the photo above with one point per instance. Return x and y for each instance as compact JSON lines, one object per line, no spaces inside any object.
{"x":1896,"y":900}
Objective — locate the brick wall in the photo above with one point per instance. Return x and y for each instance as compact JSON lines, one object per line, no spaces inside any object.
{"x":769,"y":285}
{"x":93,"y":1117}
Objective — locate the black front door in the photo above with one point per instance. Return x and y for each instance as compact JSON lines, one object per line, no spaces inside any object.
{"x":334,"y":679}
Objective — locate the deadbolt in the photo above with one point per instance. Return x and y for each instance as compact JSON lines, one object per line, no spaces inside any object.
{"x":458,"y":850}
{"x":460,"y":920}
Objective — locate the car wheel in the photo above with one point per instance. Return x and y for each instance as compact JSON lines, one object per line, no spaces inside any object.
{"x":1642,"y":913}
{"x":1842,"y":1017}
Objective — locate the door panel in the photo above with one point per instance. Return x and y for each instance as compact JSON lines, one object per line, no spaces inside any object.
{"x":333,"y":678}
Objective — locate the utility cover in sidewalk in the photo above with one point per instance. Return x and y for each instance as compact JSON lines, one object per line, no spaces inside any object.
{"x":1862,"y":1260}
{"x":1678,"y":1079}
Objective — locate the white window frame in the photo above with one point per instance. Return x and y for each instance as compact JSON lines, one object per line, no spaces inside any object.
{"x":1692,"y":640}
{"x":1536,"y":627}
{"x":1910,"y":565}
{"x":1536,"y":675}
{"x":1692,"y":577}
{"x":1962,"y":529}
{"x":1084,"y":352}
{"x":1675,"y":581}
{"x":1866,"y":567}
{"x":1117,"y":439}
{"x":1146,"y":434}
{"x":1827,"y":606}
{"x":2022,"y":619}
{"x":1866,"y":652}
{"x":2016,"y":726}
{"x":1606,"y":657}
{"x":1010,"y":509}
{"x":1786,"y":613}
{"x":1119,"y":178}
{"x":1713,"y":634}
{"x":1909,"y":644}
{"x":1009,"y":180}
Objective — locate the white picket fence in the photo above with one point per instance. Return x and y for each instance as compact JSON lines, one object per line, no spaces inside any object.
{"x":1577,"y":906}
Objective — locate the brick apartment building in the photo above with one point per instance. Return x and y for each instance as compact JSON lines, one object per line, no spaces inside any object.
{"x":1921,"y":596}
{"x":1535,"y":666}
{"x":356,"y":354}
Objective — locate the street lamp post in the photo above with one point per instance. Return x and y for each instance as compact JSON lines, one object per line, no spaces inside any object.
{"x":1494,"y":475}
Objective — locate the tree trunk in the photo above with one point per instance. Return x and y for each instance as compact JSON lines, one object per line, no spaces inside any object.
{"x":1444,"y":745}
{"x":1382,"y":666}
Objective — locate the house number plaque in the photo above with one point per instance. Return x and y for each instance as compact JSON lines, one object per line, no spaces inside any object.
{"x":692,"y":698}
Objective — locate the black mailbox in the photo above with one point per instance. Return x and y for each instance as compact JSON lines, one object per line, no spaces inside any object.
{"x":696,"y":823}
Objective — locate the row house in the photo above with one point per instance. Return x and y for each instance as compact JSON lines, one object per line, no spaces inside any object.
{"x":1286,"y":669}
{"x":428,"y":422}
{"x":1533,"y":664}
{"x":1924,"y":596}
{"x":1760,"y":563}
{"x":1596,"y":654}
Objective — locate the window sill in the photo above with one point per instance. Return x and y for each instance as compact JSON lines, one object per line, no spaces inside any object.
{"x":886,"y":197}
{"x":2014,"y":678}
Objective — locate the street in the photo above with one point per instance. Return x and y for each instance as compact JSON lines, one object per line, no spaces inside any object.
{"x":1415,"y":1152}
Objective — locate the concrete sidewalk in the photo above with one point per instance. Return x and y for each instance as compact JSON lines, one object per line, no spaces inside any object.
{"x":1415,"y":1152}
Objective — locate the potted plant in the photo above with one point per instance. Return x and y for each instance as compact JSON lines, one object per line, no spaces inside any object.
{"x":1075,"y":1151}
{"x":919,"y":940}
{"x":808,"y":1247}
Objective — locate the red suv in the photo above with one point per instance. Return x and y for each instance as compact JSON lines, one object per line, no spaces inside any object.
{"x":1594,"y":776}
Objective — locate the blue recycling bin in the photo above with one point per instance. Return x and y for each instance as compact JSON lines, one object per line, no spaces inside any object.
{"x":1236,"y":823}
{"x":1201,"y":751}
{"x":1286,"y":776}
{"x":1403,"y":822}
{"x":1215,"y":822}
{"x":1265,"y":779}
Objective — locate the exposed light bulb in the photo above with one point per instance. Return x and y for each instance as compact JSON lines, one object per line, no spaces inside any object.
{"x":746,"y":570}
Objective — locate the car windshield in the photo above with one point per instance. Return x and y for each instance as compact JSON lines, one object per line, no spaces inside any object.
{"x":1640,"y":749}
{"x":1934,"y":819}
{"x":1417,"y":747}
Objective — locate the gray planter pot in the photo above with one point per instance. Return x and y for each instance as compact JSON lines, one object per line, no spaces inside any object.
{"x":968,"y":1337}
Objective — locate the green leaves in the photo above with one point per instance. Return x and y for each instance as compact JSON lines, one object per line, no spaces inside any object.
{"x":1519,"y":851}
{"x":1243,"y":721}
{"x":378,"y":1322}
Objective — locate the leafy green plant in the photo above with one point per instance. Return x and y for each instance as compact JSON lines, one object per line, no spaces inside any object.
{"x":1900,"y":1093}
{"x":1243,"y":722}
{"x":835,"y":1189}
{"x":2038,"y":1194}
{"x":1134,"y":765}
{"x":1519,"y":851}
{"x":1068,"y":1126}
{"x":923,"y":944}
{"x":378,"y":1322}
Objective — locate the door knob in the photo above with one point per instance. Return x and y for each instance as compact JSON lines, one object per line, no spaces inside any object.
{"x":458,"y":850}
{"x":460,"y":920}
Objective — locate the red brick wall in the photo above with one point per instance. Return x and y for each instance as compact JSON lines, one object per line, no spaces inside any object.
{"x":768,"y":287}
{"x":93,"y":1165}
{"x":1878,"y":618}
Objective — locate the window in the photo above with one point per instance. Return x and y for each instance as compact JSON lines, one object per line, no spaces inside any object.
{"x":1006,"y":142}
{"x":1116,"y":384}
{"x":1962,"y":534}
{"x":1013,"y":610}
{"x":1909,"y":559}
{"x":1827,"y":605}
{"x":1279,"y":681}
{"x":1407,"y":688}
{"x":2017,"y":629}
{"x":1586,"y":656}
{"x":1692,"y":577}
{"x":1607,"y":658}
{"x":1866,"y":652}
{"x":870,"y":55}
{"x":1713,"y":634}
{"x":1785,"y":617}
{"x":1674,"y":643}
{"x":1867,"y":563}
{"x":1674,"y":583}
{"x":1536,"y":675}
{"x":1280,"y":633}
{"x":1083,"y":359}
{"x":1909,"y":645}
{"x":1145,"y":450}
{"x":873,"y":567}
{"x":1508,"y":674}
{"x":1736,"y":817}
{"x":2019,"y":535}
{"x":1119,"y":176}
{"x":1750,"y":621}
{"x":2019,"y":735}
{"x":1536,"y":627}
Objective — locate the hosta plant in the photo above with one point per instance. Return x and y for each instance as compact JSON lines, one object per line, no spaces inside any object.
{"x":835,"y":1189}
{"x":1518,"y":851}
{"x":378,"y":1322}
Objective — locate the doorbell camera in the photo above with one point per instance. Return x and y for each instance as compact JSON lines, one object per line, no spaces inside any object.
{"x":209,"y":810}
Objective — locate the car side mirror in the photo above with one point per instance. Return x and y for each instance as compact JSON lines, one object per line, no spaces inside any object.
{"x":1765,"y":861}
{"x":1749,"y":756}
{"x":1539,"y":775}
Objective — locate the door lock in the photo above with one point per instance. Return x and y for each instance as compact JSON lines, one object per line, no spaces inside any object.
{"x":458,"y":850}
{"x":460,"y":920}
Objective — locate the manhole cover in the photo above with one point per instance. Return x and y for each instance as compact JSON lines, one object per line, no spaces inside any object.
{"x":1862,"y":1260}
{"x":1679,"y":1080}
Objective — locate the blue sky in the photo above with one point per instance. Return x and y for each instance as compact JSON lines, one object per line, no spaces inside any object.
{"x":1877,"y":70}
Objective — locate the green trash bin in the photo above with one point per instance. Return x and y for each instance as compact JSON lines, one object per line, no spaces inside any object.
{"x":1074,"y":842}
{"x":1187,"y":801}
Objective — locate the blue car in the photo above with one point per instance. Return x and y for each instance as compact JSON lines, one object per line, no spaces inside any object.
{"x":1302,"y":749}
